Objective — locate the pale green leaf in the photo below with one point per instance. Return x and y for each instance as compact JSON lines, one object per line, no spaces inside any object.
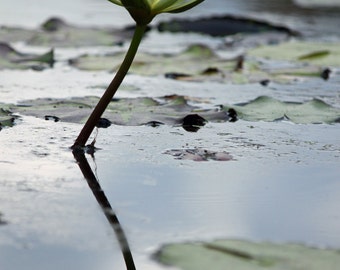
{"x":244,"y":255}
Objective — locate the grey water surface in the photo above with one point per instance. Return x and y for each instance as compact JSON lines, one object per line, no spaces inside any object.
{"x":282,"y":184}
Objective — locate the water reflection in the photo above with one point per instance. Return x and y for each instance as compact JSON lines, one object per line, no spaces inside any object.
{"x":106,"y":207}
{"x":2,"y":221}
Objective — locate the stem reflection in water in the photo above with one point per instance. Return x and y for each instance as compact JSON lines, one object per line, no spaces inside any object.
{"x":106,"y":207}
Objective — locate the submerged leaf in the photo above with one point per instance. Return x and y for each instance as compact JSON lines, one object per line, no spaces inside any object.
{"x":244,"y":255}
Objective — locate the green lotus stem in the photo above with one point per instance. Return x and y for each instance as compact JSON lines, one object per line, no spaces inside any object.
{"x":142,"y":11}
{"x":111,"y":90}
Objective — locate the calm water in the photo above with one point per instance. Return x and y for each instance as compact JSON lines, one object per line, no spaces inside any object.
{"x":282,"y":186}
{"x":310,"y":20}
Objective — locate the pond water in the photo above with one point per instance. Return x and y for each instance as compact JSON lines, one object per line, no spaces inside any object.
{"x":284,"y":189}
{"x":310,"y":16}
{"x":282,"y":184}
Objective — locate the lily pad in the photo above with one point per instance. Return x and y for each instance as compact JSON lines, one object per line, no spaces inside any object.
{"x":245,"y":255}
{"x":194,"y":60}
{"x":315,"y":53}
{"x":265,"y":108}
{"x":170,"y":110}
{"x":174,"y":109}
{"x":200,"y":63}
{"x":13,"y":59}
{"x":196,"y":63}
{"x":6,"y":118}
{"x":55,"y":32}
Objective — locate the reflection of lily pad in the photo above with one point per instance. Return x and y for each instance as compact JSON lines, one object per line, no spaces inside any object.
{"x":269,"y":109}
{"x":11,"y":58}
{"x":126,"y":111}
{"x":243,"y":255}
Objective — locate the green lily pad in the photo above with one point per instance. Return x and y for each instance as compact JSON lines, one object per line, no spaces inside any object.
{"x":15,"y":34}
{"x":58,"y":33}
{"x":315,"y":53}
{"x":245,"y":255}
{"x":265,"y":108}
{"x":200,"y":63}
{"x":13,"y":59}
{"x":55,"y":32}
{"x":172,"y":110}
{"x":6,"y":117}
{"x":193,"y":60}
{"x":169,"y":110}
{"x":196,"y":63}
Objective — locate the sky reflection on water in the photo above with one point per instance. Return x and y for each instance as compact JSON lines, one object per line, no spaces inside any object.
{"x":282,"y":186}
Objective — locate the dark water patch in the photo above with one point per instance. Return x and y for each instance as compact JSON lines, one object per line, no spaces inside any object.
{"x":2,"y":220}
{"x":193,"y":122}
{"x":222,"y":26}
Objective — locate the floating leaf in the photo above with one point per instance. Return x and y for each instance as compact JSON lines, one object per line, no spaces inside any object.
{"x":170,"y":110}
{"x":15,"y":34}
{"x":57,"y":33}
{"x":316,"y":53}
{"x":197,"y":62}
{"x":12,"y":59}
{"x":244,"y":255}
{"x":6,"y":118}
{"x":265,"y":108}
{"x":193,"y":61}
